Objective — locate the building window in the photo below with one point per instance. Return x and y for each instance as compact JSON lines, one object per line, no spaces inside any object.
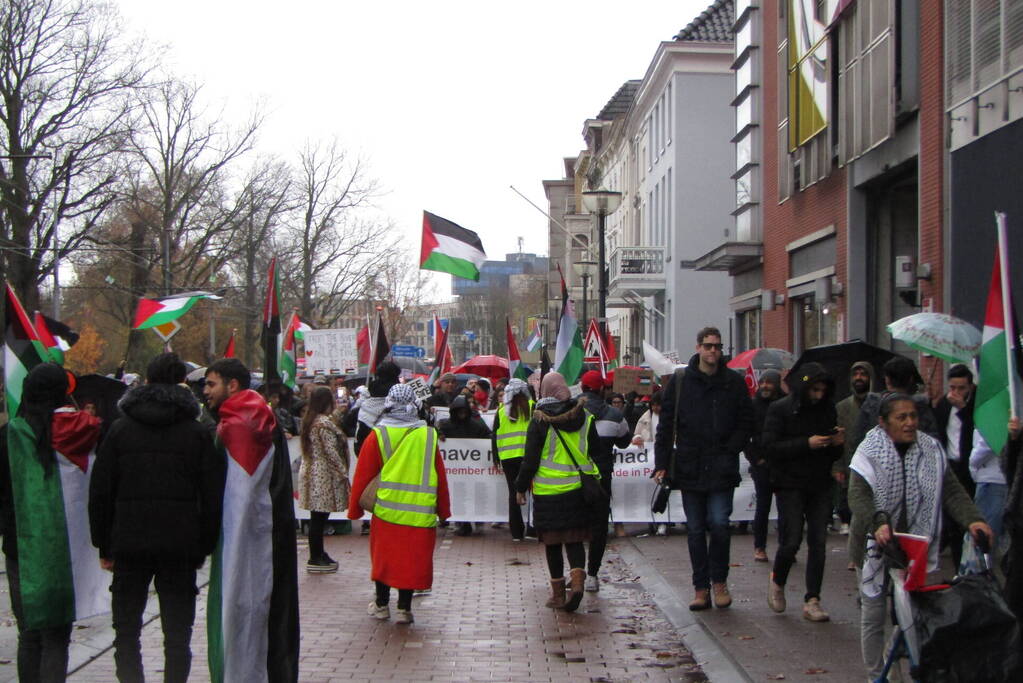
{"x":812,"y":325}
{"x":669,"y":124}
{"x":747,"y":328}
{"x":807,"y":68}
{"x":984,"y":44}
{"x":866,"y":77}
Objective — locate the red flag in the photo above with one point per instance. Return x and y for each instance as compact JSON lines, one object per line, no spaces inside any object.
{"x":229,"y":349}
{"x":362,"y":343}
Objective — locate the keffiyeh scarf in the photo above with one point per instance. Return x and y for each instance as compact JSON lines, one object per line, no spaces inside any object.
{"x":914,"y":480}
{"x":515,"y":387}
{"x":401,"y":408}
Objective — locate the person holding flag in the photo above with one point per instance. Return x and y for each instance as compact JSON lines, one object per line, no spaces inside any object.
{"x":252,"y":620}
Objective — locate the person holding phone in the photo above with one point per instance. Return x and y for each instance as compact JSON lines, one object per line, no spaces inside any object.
{"x":802,"y":440}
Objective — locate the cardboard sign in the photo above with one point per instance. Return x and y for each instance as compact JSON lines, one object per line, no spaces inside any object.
{"x":630,"y":379}
{"x":421,"y":388}
{"x":330,"y":351}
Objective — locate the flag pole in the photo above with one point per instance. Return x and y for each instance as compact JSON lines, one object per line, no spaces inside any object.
{"x":1010,"y":328}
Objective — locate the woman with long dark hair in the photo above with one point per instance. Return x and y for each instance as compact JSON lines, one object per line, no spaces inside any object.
{"x":323,"y":485}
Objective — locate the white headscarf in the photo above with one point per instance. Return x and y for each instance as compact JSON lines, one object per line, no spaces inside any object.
{"x":401,"y":408}
{"x":515,"y":387}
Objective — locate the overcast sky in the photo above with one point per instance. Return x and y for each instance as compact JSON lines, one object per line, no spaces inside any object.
{"x":450,"y":102}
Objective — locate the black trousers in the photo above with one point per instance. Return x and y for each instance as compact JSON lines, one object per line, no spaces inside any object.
{"x":556,"y":561}
{"x":176,"y":590}
{"x":794,"y":507}
{"x":384,"y":596}
{"x":598,"y":532}
{"x":42,"y":652}
{"x":511,"y":468}
{"x":317,"y":522}
{"x":762,"y":485}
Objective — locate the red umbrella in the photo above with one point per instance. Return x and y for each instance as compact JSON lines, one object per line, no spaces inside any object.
{"x":491,"y":367}
{"x":756,"y":361}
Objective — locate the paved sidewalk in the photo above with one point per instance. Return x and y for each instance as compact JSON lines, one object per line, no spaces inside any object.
{"x":484,"y":620}
{"x":768,"y":646}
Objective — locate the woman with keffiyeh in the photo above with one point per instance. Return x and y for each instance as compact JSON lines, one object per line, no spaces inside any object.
{"x":901,"y":471}
{"x":412,"y":494}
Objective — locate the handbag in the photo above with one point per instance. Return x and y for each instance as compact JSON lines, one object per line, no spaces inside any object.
{"x":659,"y":501}
{"x":368,"y":497}
{"x":593,"y":493}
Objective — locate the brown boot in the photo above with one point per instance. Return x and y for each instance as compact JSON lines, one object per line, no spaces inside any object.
{"x":722,"y":598}
{"x":701,"y":600}
{"x":557,"y":600}
{"x":577,"y":580}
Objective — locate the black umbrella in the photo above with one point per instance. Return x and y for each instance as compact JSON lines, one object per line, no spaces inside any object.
{"x":414,"y":364}
{"x":103,"y":392}
{"x":837,"y":359}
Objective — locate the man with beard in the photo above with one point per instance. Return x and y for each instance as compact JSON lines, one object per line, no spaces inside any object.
{"x":802,"y":441}
{"x":768,"y":391}
{"x":861,"y":378}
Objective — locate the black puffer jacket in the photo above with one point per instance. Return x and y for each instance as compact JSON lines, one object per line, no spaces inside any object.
{"x":563,"y":510}
{"x":158,"y":485}
{"x":791,"y":422}
{"x":714,"y":419}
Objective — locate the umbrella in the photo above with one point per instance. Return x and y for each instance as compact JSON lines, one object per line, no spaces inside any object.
{"x":763,"y":359}
{"x":838,"y":358}
{"x":937,"y":334}
{"x":491,"y":367}
{"x":196,"y":375}
{"x":417,"y":366}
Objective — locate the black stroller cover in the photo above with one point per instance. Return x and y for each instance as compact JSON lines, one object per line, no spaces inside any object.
{"x":967,"y":633}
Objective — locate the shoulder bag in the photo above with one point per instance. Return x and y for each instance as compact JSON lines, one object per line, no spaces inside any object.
{"x":593,"y":492}
{"x":659,"y":503}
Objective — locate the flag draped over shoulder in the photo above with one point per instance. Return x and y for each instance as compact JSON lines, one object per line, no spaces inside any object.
{"x":60,"y":577}
{"x":449,"y":248}
{"x":999,"y":378}
{"x":568,"y":350}
{"x":515,"y":366}
{"x":252,"y":618}
{"x":270,"y":335}
{"x":153,"y":312}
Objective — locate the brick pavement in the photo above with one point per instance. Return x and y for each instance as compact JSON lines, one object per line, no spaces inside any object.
{"x":484,"y":620}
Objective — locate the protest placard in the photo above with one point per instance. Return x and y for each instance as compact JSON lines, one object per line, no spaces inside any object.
{"x":331,"y":351}
{"x":629,"y":380}
{"x":421,"y":388}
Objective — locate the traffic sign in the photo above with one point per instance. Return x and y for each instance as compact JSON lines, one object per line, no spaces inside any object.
{"x":408,"y":351}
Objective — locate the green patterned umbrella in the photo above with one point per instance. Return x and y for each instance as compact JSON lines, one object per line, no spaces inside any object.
{"x":938,"y":334}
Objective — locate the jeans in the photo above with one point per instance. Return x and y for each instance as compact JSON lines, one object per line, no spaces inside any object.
{"x":990,"y":500}
{"x":511,"y":468}
{"x":708,"y":512}
{"x":762,"y":484}
{"x":42,"y":652}
{"x":598,"y":532}
{"x":176,"y":590}
{"x":795,"y":506}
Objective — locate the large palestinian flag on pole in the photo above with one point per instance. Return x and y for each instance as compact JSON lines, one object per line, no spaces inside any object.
{"x":998,"y":385}
{"x":61,"y":580}
{"x":449,"y":248}
{"x":568,"y":350}
{"x":252,"y":617}
{"x":153,"y":312}
{"x":271,"y":332}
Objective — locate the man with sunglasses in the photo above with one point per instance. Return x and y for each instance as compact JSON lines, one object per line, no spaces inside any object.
{"x":703,"y":427}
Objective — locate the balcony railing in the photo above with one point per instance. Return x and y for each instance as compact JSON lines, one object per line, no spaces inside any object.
{"x":637,"y":268}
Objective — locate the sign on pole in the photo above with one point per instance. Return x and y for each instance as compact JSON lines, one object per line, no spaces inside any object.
{"x":408,"y":351}
{"x":329,"y":351}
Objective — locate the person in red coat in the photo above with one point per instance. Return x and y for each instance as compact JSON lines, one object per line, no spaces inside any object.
{"x":401,"y":548}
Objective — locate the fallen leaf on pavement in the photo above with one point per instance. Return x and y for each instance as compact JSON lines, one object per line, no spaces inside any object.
{"x":776,"y":677}
{"x":747,"y":637}
{"x":815,"y":671}
{"x":664,"y":655}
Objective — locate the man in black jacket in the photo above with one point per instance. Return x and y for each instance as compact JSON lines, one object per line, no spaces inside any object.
{"x":954,"y":413}
{"x":802,"y":440}
{"x":699,"y":437}
{"x":155,"y":508}
{"x":613,"y":430}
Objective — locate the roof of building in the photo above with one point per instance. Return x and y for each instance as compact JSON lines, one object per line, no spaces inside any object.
{"x":713,"y":24}
{"x":620,"y":102}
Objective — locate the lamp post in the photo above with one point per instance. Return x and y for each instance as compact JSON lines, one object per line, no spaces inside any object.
{"x":602,"y":203}
{"x":585,"y":270}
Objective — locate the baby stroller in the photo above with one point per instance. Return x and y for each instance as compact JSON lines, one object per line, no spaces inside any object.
{"x":956,"y":632}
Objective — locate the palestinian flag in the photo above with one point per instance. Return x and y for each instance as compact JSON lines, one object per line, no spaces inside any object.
{"x":153,"y":312}
{"x":229,"y":349}
{"x":380,"y":347}
{"x":535,"y":339}
{"x":515,"y":366}
{"x":442,"y":360}
{"x":270,"y":335}
{"x":568,"y":350}
{"x":55,"y":335}
{"x":252,"y":616}
{"x":61,"y":580}
{"x":288,"y":365}
{"x":998,"y":386}
{"x":300,"y":329}
{"x":450,"y":248}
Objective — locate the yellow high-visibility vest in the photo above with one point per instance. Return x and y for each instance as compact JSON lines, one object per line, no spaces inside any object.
{"x":558,"y":472}
{"x":511,"y":434}
{"x":407,"y":493}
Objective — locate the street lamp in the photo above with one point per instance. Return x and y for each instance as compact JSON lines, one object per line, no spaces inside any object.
{"x":585,"y":270}
{"x":602,"y":203}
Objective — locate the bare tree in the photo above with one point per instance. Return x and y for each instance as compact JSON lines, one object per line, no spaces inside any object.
{"x":337,"y":242}
{"x":180,"y":160}
{"x":65,"y":80}
{"x":405,"y":288}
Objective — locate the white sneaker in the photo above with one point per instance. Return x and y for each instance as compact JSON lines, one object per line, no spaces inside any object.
{"x":403,"y":616}
{"x":844,"y":529}
{"x":378,"y":612}
{"x":662,"y":530}
{"x":592,"y":584}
